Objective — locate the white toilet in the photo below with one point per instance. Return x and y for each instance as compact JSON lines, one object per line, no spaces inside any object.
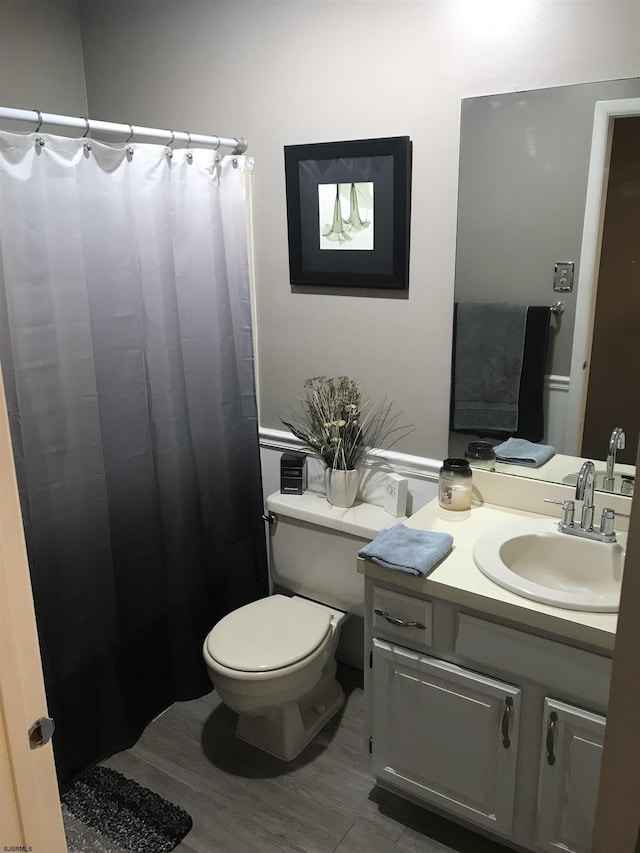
{"x":273,"y":661}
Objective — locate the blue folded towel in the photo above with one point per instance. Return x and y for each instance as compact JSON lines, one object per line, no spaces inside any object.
{"x":408,"y":550}
{"x":519,"y":451}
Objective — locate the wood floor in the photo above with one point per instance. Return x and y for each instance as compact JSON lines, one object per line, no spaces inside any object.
{"x":244,"y":801}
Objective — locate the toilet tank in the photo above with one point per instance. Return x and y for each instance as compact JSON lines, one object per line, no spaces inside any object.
{"x":313,"y":547}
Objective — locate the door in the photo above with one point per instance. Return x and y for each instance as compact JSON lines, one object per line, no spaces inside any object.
{"x":571,"y":752}
{"x":30,"y":815}
{"x":616,"y":344}
{"x":446,"y":735}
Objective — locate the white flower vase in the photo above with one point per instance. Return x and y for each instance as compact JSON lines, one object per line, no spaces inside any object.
{"x":340,"y":486}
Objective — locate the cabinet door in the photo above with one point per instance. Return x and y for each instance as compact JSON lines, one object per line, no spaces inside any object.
{"x":572,"y":742}
{"x":446,"y":735}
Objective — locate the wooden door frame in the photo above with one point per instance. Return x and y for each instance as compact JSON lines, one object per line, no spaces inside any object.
{"x":617,"y":821}
{"x":31,"y":818}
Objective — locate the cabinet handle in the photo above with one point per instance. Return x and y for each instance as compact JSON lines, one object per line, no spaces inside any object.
{"x":553,"y":719}
{"x":399,"y":622}
{"x":506,"y":717}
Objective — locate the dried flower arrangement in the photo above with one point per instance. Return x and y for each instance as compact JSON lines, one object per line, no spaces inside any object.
{"x":338,"y":426}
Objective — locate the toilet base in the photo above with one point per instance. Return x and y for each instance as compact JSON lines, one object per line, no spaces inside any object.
{"x":286,"y":730}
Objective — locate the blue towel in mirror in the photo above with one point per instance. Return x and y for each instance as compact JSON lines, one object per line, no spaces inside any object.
{"x":519,"y":451}
{"x":416,"y":552}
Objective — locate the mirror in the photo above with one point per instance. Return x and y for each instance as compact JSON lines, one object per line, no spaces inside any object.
{"x":524,"y":168}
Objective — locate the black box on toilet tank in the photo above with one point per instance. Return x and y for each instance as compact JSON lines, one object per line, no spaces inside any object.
{"x":293,"y":473}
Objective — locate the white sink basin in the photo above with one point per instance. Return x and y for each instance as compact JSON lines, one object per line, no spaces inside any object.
{"x":533,"y":559}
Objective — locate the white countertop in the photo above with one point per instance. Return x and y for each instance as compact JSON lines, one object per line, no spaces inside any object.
{"x":457,"y":579}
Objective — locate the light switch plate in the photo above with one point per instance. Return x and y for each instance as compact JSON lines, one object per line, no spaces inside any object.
{"x":563,"y":276}
{"x":395,"y":494}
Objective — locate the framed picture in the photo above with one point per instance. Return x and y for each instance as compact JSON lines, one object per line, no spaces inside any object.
{"x":348,"y":213}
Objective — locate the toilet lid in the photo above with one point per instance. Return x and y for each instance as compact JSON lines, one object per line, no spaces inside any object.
{"x":271,"y":633}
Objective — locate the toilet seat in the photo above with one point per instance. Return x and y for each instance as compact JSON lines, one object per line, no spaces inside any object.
{"x":273,"y":634}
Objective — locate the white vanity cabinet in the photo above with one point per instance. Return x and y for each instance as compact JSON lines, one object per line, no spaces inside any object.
{"x":486,"y":723}
{"x":568,"y":779}
{"x":445,"y":734}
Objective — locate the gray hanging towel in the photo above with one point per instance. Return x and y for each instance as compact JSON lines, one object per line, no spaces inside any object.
{"x":488,"y":355}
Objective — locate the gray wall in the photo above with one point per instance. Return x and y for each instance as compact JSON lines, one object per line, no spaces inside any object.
{"x":524,"y":162}
{"x":282,"y":73}
{"x":41,"y":63}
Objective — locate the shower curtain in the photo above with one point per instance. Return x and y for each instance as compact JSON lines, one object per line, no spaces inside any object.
{"x":126,"y":350}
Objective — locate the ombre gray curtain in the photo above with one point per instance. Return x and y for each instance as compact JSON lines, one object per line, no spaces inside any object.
{"x":125,"y":342}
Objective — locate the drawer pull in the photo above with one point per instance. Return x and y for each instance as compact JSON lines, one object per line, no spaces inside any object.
{"x":553,"y":719}
{"x":506,"y":717}
{"x":399,"y":622}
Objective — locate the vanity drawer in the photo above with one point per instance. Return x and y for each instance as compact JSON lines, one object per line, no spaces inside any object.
{"x":401,"y":617}
{"x":564,"y":669}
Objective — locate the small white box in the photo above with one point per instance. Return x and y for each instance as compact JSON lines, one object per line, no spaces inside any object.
{"x":395,"y":494}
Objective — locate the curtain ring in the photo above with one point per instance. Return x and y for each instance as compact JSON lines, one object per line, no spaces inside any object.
{"x":128,"y":139}
{"x":173,"y":139}
{"x":217,"y":143}
{"x":86,"y":121}
{"x":189,"y":135}
{"x":39,"y":120}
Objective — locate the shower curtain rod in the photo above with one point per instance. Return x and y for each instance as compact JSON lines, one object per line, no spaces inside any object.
{"x":87,"y":126}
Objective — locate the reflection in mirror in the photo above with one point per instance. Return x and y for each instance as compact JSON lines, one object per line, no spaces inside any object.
{"x":524,"y":168}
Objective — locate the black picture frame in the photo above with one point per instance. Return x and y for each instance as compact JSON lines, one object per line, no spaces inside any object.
{"x":383,"y":168}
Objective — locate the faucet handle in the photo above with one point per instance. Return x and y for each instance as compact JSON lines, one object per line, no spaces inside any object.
{"x":568,"y":510}
{"x":608,"y":518}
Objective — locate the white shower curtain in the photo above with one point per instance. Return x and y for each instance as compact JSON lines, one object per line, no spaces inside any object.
{"x":125,"y":343}
{"x":101,"y":217}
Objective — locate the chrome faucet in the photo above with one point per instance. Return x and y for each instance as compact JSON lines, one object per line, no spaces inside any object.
{"x":585,"y":492}
{"x":616,"y":442}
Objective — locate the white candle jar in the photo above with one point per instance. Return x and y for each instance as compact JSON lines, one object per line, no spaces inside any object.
{"x":454,"y":485}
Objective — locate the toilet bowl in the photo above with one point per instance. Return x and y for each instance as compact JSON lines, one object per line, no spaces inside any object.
{"x":273,"y":663}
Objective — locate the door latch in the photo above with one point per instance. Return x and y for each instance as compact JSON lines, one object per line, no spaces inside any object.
{"x":41,"y":732}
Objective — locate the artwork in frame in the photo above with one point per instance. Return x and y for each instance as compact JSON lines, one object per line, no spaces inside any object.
{"x":348,"y":213}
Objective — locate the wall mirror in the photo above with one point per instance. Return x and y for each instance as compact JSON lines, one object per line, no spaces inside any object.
{"x":524,"y":173}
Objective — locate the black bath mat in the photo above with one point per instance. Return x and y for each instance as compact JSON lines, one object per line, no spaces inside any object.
{"x":104,"y":812}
